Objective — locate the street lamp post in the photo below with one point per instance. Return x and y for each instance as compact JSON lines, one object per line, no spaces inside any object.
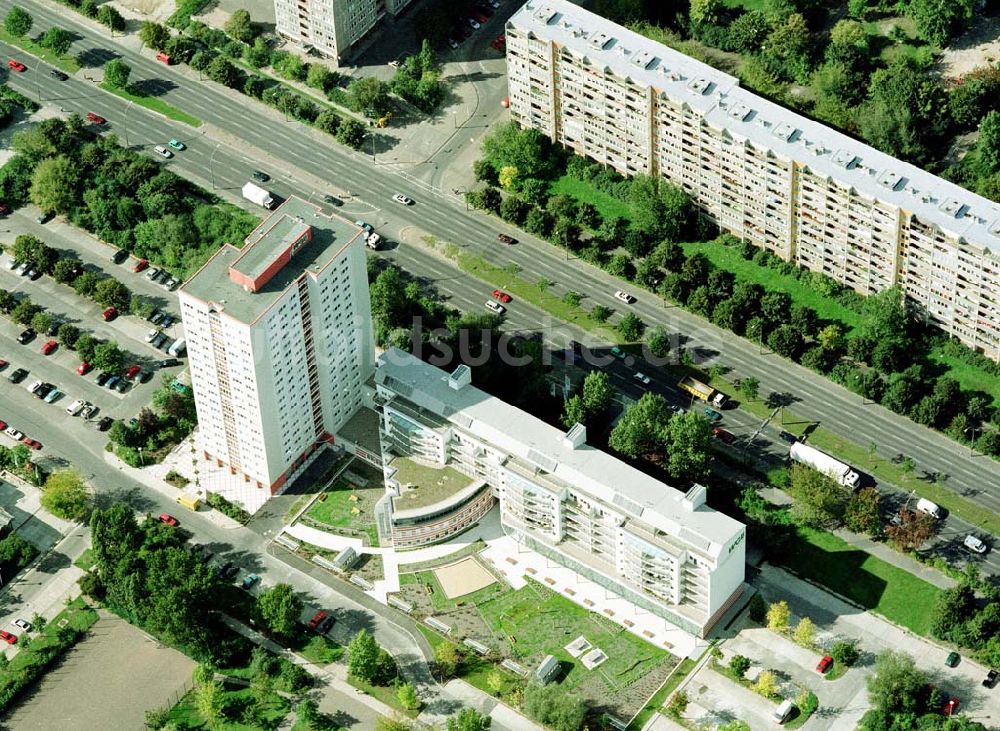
{"x":372,"y":138}
{"x":125,"y":121}
{"x":141,"y":463}
{"x":38,"y":83}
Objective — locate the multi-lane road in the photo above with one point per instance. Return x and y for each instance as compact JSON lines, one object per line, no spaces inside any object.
{"x":243,"y":135}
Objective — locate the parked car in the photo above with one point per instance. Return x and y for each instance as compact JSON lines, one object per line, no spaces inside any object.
{"x":52,"y":395}
{"x":119,"y":256}
{"x":473,"y":23}
{"x":7,"y":637}
{"x":400,"y":198}
{"x":249,"y":580}
{"x":170,"y":283}
{"x":159,"y":340}
{"x":333,"y":200}
{"x":169,"y":363}
{"x":110,"y":314}
{"x":3,"y":364}
{"x":167,"y":320}
{"x":88,"y":411}
{"x":15,"y":65}
{"x":34,"y":274}
{"x":17,"y":375}
{"x":123,"y":385}
{"x":501,"y":296}
{"x":317,"y":620}
{"x":723,"y":435}
{"x":76,"y":407}
{"x":495,"y":307}
{"x":624,"y":297}
{"x":824,"y":664}
{"x":49,"y":347}
{"x":34,"y":386}
{"x":169,"y":520}
{"x":151,"y":335}
{"x":713,"y":415}
{"x":140,"y":265}
{"x":53,"y":328}
{"x":33,"y":443}
{"x":103,"y":378}
{"x":105,"y":423}
{"x":788,"y":437}
{"x":177,"y":145}
{"x":952,"y":659}
{"x":14,"y":433}
{"x":991,"y":678}
{"x":112,"y":381}
{"x":156,"y":318}
{"x":26,"y":336}
{"x":641,"y":378}
{"x":505,"y":239}
{"x":152,"y":274}
{"x":43,"y":390}
{"x":974,"y":543}
{"x":95,"y":118}
{"x":366,"y":226}
{"x":22,"y":624}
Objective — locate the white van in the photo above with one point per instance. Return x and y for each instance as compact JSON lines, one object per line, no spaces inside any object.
{"x":926,"y":506}
{"x":781,"y":713}
{"x":76,"y":407}
{"x":177,"y":348}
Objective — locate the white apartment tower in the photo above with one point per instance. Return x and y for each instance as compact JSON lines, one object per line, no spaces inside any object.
{"x":331,"y":27}
{"x":662,"y":549}
{"x":279,"y":339}
{"x":781,"y":181}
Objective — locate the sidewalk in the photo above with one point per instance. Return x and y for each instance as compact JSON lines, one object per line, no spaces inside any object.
{"x":900,"y":560}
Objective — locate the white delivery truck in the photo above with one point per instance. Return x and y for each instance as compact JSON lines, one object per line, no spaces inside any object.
{"x":256,"y":194}
{"x":821,"y":462}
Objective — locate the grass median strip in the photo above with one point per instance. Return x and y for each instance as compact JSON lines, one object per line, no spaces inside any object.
{"x":155,"y":104}
{"x":64,"y":62}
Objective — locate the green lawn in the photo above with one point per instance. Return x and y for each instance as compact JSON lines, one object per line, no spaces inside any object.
{"x":155,"y":104}
{"x":320,"y":651}
{"x":67,"y":63}
{"x":335,"y":508}
{"x":728,"y":258}
{"x":897,"y":595}
{"x":968,"y":376}
{"x":85,"y":560}
{"x":608,"y":206}
{"x":384,"y":693}
{"x":429,"y":484}
{"x":660,"y":697}
{"x":539,"y":622}
{"x":236,"y":698}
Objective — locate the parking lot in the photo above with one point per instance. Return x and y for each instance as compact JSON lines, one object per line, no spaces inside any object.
{"x":59,"y":368}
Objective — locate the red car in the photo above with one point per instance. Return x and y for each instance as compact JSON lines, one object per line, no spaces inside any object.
{"x":4,"y":209}
{"x":3,"y":364}
{"x":825,"y":663}
{"x":169,"y":520}
{"x":3,"y":424}
{"x":316,"y":620}
{"x":109,"y":314}
{"x":7,"y":637}
{"x":84,"y":368}
{"x":33,"y":443}
{"x":501,"y":295}
{"x":132,"y":371}
{"x":140,"y":265}
{"x":722,"y":434}
{"x":16,"y":66}
{"x":95,"y":118}
{"x":50,"y":346}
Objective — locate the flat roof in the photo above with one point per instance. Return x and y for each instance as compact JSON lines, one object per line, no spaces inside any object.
{"x":330,"y":236}
{"x":726,"y":105}
{"x":533,"y":442}
{"x":422,"y":486}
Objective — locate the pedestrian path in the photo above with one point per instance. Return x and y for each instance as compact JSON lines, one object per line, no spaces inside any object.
{"x":900,"y":560}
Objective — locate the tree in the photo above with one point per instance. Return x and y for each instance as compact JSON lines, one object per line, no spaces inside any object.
{"x":778,"y":615}
{"x":819,"y":500}
{"x":110,"y":292}
{"x":17,"y":22}
{"x":209,"y":701}
{"x":54,"y":184}
{"x":66,"y":495}
{"x":407,"y":696}
{"x":369,"y":95}
{"x":658,"y":342}
{"x":86,"y":345}
{"x":862,"y":514}
{"x":154,"y":35}
{"x":56,"y":40}
{"x":758,"y":607}
{"x":749,"y":387}
{"x":261,"y":688}
{"x":987,"y":161}
{"x":221,"y":70}
{"x":573,"y":411}
{"x":677,"y":704}
{"x":767,"y":684}
{"x":688,"y":446}
{"x":938,"y":21}
{"x":351,"y":133}
{"x":116,"y":73}
{"x":157,"y":718}
{"x":107,"y":357}
{"x":790,"y":40}
{"x":597,"y":392}
{"x":525,"y":149}
{"x":109,"y":16}
{"x":307,"y":713}
{"x":495,"y":681}
{"x":41,"y":322}
{"x":705,"y":11}
{"x":911,"y":530}
{"x":630,"y":327}
{"x":240,"y":27}
{"x":739,"y":665}
{"x":447,"y":659}
{"x":896,"y":685}
{"x":279,"y":608}
{"x":468,"y":719}
{"x":600,"y":313}
{"x":643,"y":428}
{"x":845,"y":652}
{"x":805,"y":632}
{"x":362,"y":656}
{"x":507,"y":177}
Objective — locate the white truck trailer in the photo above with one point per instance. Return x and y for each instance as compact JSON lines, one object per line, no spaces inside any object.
{"x":821,"y":462}
{"x":256,"y":194}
